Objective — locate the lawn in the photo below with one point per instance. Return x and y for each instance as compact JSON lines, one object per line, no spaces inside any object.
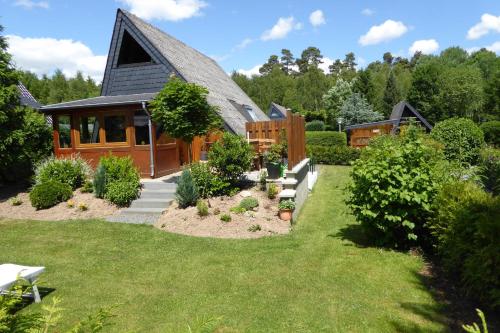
{"x":316,"y":279}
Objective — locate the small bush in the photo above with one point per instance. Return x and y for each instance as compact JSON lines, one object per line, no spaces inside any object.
{"x":326,"y":139}
{"x":237,"y":210}
{"x":491,"y":130}
{"x":99,"y":182}
{"x":186,"y":192}
{"x":263,"y":180}
{"x":87,"y":187}
{"x":70,"y":203}
{"x":272,"y":191}
{"x":335,"y":155}
{"x":465,"y":230}
{"x":121,"y":193}
{"x":72,"y":171}
{"x":249,"y":203}
{"x":120,"y":169}
{"x":202,"y":208}
{"x":16,"y":201}
{"x":216,"y":211}
{"x":49,"y":193}
{"x":208,"y":183}
{"x":230,"y":157}
{"x":315,"y":126}
{"x":225,"y":218}
{"x":82,"y":206}
{"x":254,"y":228}
{"x":288,"y":204}
{"x":489,"y":170}
{"x":462,"y":139}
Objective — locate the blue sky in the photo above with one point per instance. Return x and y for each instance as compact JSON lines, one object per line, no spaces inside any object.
{"x":240,"y":35}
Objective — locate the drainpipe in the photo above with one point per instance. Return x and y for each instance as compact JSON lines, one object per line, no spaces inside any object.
{"x":151,"y":154}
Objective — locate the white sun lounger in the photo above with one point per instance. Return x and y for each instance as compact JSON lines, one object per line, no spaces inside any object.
{"x":10,"y":273}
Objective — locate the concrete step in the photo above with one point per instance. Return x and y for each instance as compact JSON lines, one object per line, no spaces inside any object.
{"x":289,"y":184}
{"x":159,"y":186}
{"x":287,"y":194}
{"x":134,"y":218}
{"x":158,"y":194}
{"x":142,"y":211}
{"x":151,"y":203}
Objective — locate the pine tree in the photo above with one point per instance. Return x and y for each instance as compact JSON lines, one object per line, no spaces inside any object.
{"x":287,"y":61}
{"x":392,"y":95}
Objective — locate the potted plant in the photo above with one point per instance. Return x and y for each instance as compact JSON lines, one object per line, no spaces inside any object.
{"x":286,"y":208}
{"x":273,"y":161}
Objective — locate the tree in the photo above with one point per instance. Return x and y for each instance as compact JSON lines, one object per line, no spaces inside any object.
{"x":287,"y":61}
{"x":356,"y":110}
{"x":272,"y":62}
{"x":310,"y":57}
{"x":182,"y":109}
{"x":335,"y":98}
{"x":362,"y":83}
{"x":388,"y":58}
{"x":392,"y":95}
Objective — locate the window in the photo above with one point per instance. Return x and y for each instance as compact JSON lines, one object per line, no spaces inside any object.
{"x":89,"y":129}
{"x":64,"y":124}
{"x":131,"y":52}
{"x":115,"y":127}
{"x":141,"y":128}
{"x":251,"y":112}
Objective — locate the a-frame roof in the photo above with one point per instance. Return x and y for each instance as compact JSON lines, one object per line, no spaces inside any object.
{"x":26,"y":98}
{"x":186,"y":63}
{"x":277,"y":111}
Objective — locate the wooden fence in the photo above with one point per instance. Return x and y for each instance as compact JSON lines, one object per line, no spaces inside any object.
{"x":292,"y":128}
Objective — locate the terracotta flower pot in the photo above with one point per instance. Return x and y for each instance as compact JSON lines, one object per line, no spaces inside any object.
{"x":286,"y":214}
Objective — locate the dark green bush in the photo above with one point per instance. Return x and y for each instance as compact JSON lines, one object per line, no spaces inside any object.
{"x":99,"y":182}
{"x":120,"y":169}
{"x":121,"y":193}
{"x":489,"y":170}
{"x":326,"y":139}
{"x":249,"y":203}
{"x":491,"y":130}
{"x":315,"y":126}
{"x":465,"y":230}
{"x":72,"y":171}
{"x":230,"y":157}
{"x":336,"y":155}
{"x":208,"y":183}
{"x":186,"y":192}
{"x":392,"y":189}
{"x":462,"y":139}
{"x":49,"y":193}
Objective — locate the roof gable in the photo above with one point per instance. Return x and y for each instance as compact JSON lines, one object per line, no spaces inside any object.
{"x":405,"y":110}
{"x":277,"y":111}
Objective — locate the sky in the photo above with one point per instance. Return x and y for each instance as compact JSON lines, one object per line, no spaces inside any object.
{"x":240,"y":35}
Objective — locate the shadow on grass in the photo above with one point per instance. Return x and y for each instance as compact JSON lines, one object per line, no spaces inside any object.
{"x":355,"y":234}
{"x":11,"y":190}
{"x":28,"y":299}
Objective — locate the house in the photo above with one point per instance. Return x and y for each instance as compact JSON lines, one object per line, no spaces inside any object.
{"x":141,"y":60}
{"x":359,"y":135}
{"x":277,"y":111}
{"x":25,"y":97}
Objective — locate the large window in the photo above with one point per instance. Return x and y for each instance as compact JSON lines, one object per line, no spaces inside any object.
{"x":64,"y":125}
{"x":141,"y":128}
{"x":116,"y":128}
{"x":89,"y":129}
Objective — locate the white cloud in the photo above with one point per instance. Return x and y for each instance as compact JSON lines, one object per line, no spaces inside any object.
{"x":250,"y":72}
{"x":488,"y":23}
{"x":244,"y":43}
{"x":495,"y":47}
{"x":28,"y":4}
{"x":44,"y":55}
{"x":169,"y":10}
{"x":317,"y":18}
{"x":367,"y":12}
{"x":281,"y":29}
{"x":426,"y":46}
{"x":326,"y":63}
{"x":382,"y":33}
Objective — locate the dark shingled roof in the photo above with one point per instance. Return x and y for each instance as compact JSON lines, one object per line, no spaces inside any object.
{"x":26,"y":98}
{"x":101,"y":101}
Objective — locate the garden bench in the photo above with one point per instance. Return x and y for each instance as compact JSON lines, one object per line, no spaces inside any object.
{"x":10,"y":273}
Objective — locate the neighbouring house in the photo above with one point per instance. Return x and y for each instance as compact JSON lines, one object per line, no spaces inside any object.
{"x":141,"y":60}
{"x":25,"y":97}
{"x":277,"y":111}
{"x":359,"y":135}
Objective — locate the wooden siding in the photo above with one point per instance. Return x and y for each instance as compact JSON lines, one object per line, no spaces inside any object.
{"x":293,"y":127}
{"x":359,"y":137}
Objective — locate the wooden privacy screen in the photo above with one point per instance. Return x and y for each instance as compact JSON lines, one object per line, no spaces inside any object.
{"x":292,"y":127}
{"x":359,"y":137}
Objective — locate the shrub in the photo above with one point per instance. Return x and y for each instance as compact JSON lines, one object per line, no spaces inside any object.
{"x":49,"y":193}
{"x":87,"y":187}
{"x":315,"y":126}
{"x":326,"y":139}
{"x":16,"y":201}
{"x":121,"y":193}
{"x":237,"y":210}
{"x":249,"y":203}
{"x":489,"y":170}
{"x":274,"y":154}
{"x":70,"y":203}
{"x":72,"y":171}
{"x":83,"y":206}
{"x":272,"y":191}
{"x":491,"y":130}
{"x":202,"y":208}
{"x":263,"y":180}
{"x":225,"y":218}
{"x":336,"y":155}
{"x":186,"y":192}
{"x":120,"y":169}
{"x":230,"y":157}
{"x":208,"y":183}
{"x":99,"y":182}
{"x":462,"y":139}
{"x":392,"y":189}
{"x":288,"y":204}
{"x":465,"y":229}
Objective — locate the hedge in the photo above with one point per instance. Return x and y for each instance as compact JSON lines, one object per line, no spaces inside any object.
{"x":326,"y":139}
{"x":315,"y":125}
{"x":336,"y":155}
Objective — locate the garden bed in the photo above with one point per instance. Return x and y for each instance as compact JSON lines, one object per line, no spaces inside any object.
{"x":188,"y":222}
{"x":96,"y":208}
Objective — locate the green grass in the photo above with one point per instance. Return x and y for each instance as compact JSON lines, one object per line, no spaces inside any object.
{"x":314,"y":280}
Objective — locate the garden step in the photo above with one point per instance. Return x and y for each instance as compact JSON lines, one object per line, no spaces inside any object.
{"x":134,"y":218}
{"x":287,"y":194}
{"x":289,"y":183}
{"x":158,"y":194}
{"x":158,"y":186}
{"x":151,"y":203}
{"x":144,"y":211}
